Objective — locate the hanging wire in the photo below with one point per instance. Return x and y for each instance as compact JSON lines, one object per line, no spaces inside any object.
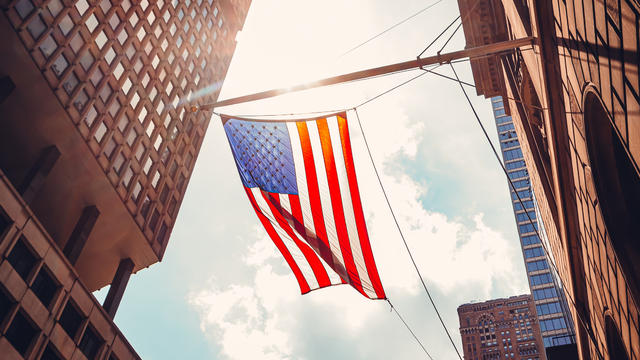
{"x":409,"y":328}
{"x":390,"y":28}
{"x":544,"y":246}
{"x":393,"y":215}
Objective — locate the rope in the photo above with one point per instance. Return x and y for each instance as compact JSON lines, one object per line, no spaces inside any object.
{"x":424,"y":285}
{"x":390,"y":28}
{"x":409,"y":328}
{"x":504,"y":169}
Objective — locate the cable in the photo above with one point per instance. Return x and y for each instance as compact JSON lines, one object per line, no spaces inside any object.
{"x":408,"y":328}
{"x":390,"y":90}
{"x":424,"y":285}
{"x":389,"y":29}
{"x":555,"y":268}
{"x":439,"y":35}
{"x":450,"y":37}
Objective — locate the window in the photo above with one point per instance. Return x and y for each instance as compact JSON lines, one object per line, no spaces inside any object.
{"x":59,"y":65}
{"x":524,"y":194}
{"x":527,"y":228}
{"x":498,"y":112}
{"x":90,"y":343}
{"x":50,"y":353}
{"x":537,"y":265}
{"x":503,"y":119}
{"x":36,"y":27}
{"x":24,"y":8}
{"x":505,"y":127}
{"x":22,"y":259}
{"x":528,"y":204}
{"x":521,"y":184}
{"x":512,"y":154}
{"x":533,"y":252}
{"x":48,"y":46}
{"x":515,"y":165}
{"x":4,"y":223}
{"x":5,"y":304}
{"x":21,"y":333}
{"x":498,"y":104}
{"x":552,"y":324}
{"x":71,"y":319}
{"x":523,"y":216}
{"x":45,"y":287}
{"x":546,"y":293}
{"x":548,"y":308}
{"x":541,"y":279}
{"x":518,"y":174}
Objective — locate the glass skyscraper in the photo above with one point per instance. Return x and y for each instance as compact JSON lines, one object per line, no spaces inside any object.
{"x":553,"y":315}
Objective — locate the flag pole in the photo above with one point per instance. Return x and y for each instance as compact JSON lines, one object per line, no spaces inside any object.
{"x":377,"y":71}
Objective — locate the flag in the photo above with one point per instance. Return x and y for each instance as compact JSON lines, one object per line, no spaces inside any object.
{"x":300,"y":178}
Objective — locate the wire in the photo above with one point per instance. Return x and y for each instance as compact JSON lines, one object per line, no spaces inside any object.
{"x":389,"y":29}
{"x":390,"y":90}
{"x":439,"y":35}
{"x":424,"y":285}
{"x":409,"y":328}
{"x":450,"y":37}
{"x":504,"y":169}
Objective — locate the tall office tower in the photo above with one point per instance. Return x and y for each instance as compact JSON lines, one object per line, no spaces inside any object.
{"x":96,"y":149}
{"x":551,"y":307}
{"x":501,"y":329}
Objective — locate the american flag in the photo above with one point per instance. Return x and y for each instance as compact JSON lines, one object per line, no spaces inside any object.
{"x":300,"y":178}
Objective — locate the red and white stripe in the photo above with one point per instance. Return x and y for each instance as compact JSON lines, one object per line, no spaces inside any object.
{"x":321,"y":232}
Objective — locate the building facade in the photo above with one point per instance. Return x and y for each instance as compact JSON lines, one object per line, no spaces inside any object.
{"x":547,"y":295}
{"x":97,"y":145}
{"x":501,"y":329}
{"x":574,"y":99}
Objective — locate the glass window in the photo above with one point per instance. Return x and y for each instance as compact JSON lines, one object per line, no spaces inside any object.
{"x":65,"y":25}
{"x":59,"y":65}
{"x":531,"y":239}
{"x":22,"y":259}
{"x":537,"y":265}
{"x":533,"y":252}
{"x":48,"y":46}
{"x":44,"y":286}
{"x":90,"y":343}
{"x":21,"y":333}
{"x":24,"y":8}
{"x":36,"y":27}
{"x":71,"y":319}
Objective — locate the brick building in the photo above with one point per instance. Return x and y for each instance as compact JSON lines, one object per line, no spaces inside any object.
{"x":96,"y":150}
{"x":501,"y":329}
{"x":574,"y":100}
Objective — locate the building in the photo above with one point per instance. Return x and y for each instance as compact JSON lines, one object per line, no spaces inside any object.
{"x":96,"y":150}
{"x":501,"y":329}
{"x":574,"y":98}
{"x":547,"y":295}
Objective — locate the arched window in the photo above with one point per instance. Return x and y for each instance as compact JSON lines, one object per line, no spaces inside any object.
{"x":617,"y":185}
{"x":614,"y":342}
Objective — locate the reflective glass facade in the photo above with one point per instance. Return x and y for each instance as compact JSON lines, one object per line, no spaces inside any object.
{"x":548,"y":298}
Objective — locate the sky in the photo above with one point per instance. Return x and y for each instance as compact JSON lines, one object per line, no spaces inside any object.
{"x":223,"y":291}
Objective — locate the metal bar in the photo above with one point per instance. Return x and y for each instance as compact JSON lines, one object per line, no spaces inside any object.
{"x":382,"y":70}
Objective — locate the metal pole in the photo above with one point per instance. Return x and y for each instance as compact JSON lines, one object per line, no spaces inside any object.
{"x":382,"y":70}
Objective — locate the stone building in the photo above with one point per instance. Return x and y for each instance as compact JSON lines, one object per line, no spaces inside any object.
{"x":96,"y":150}
{"x":575,"y":103}
{"x":502,"y":329}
